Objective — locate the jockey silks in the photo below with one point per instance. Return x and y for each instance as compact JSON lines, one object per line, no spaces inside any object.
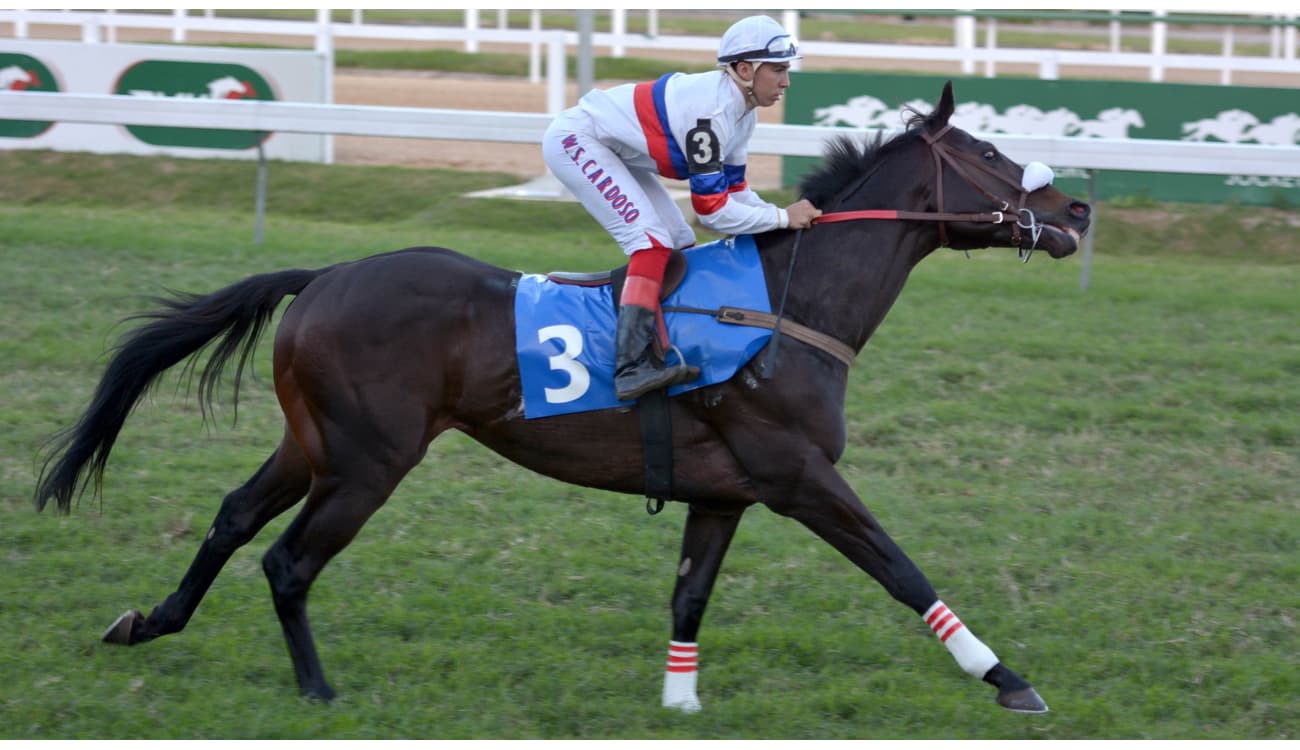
{"x":692,"y":127}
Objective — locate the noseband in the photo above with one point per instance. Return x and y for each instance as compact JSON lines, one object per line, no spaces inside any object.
{"x":962,"y":164}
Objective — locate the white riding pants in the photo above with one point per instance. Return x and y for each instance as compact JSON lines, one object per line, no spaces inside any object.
{"x":630,"y":203}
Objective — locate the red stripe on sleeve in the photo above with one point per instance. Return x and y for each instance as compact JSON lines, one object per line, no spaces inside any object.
{"x":656,"y":141}
{"x":708,"y":204}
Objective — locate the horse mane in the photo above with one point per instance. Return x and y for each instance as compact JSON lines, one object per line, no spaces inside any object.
{"x":846,"y":160}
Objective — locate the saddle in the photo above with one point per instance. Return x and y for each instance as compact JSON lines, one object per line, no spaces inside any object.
{"x":656,"y":420}
{"x":673,"y":275}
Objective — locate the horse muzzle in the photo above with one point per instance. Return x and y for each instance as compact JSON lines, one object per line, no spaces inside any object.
{"x":1058,"y":235}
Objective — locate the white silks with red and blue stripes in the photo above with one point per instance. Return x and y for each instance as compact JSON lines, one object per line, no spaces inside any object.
{"x":679,"y":679}
{"x":970,"y":652}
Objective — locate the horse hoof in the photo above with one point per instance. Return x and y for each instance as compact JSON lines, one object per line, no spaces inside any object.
{"x":1022,"y":701}
{"x":322,"y":692}
{"x":686,"y":706}
{"x":120,"y":631}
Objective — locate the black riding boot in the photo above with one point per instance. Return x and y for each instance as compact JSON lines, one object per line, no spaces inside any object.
{"x":638,"y":366}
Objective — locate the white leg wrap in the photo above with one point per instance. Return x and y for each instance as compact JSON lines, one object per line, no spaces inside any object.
{"x":679,"y":679}
{"x":970,"y":652}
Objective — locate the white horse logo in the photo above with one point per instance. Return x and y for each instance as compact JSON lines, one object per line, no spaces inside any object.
{"x":230,"y":87}
{"x":1229,"y":127}
{"x":1026,"y":119}
{"x":858,"y":112}
{"x":1111,"y":123}
{"x":1283,"y":130}
{"x":14,"y":78}
{"x":978,"y":117}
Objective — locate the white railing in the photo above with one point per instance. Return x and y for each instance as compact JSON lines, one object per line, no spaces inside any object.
{"x":1090,"y":154}
{"x":517,"y":127}
{"x":323,"y":31}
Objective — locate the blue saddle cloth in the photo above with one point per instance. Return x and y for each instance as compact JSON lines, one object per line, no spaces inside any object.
{"x":564,"y":334}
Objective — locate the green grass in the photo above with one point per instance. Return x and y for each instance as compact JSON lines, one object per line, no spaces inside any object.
{"x":1101,"y":483}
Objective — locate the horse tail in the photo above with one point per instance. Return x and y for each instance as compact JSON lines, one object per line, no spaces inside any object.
{"x":183,"y":326}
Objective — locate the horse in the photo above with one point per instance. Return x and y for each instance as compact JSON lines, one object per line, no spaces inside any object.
{"x":376,"y":357}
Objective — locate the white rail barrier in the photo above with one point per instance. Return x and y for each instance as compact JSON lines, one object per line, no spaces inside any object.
{"x":325,"y":35}
{"x":786,"y":140}
{"x":515,"y":127}
{"x":1048,"y":62}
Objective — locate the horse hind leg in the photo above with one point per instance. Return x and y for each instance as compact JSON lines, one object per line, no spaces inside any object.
{"x":280,"y":483}
{"x":335,"y":511}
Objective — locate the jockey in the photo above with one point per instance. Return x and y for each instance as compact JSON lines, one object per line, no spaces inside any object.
{"x":611,"y":149}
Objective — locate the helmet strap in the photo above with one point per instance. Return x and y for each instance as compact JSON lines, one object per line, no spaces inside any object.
{"x":746,"y":86}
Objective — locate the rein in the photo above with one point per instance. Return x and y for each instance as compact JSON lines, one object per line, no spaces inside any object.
{"x":961,"y":164}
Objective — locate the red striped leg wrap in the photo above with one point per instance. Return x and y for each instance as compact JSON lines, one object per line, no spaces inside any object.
{"x":970,"y":652}
{"x":679,"y":680}
{"x":683,"y":657}
{"x":942,"y":621}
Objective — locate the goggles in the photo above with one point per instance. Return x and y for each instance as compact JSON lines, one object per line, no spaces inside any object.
{"x":783,"y":47}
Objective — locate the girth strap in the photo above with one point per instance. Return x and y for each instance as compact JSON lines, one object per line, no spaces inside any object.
{"x":656,"y":448}
{"x":758,"y":319}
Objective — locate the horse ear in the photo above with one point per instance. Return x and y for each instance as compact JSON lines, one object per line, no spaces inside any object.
{"x":945,"y":107}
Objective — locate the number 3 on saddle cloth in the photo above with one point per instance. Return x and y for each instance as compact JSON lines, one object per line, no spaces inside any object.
{"x":564,"y":334}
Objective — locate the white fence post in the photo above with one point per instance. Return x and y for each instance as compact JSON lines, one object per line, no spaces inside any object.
{"x":471,"y":29}
{"x":20,"y":24}
{"x":534,"y":46}
{"x":90,"y":30}
{"x":178,"y":30}
{"x":1225,"y":75}
{"x":1275,"y":38}
{"x":1114,"y":32}
{"x":1289,"y":37}
{"x":325,"y":46}
{"x":1049,"y":67}
{"x":991,"y":44}
{"x":790,"y":20}
{"x":503,"y":19}
{"x":555,"y":74}
{"x":964,"y":40}
{"x":618,"y":29}
{"x":652,"y":23}
{"x":1159,"y":30}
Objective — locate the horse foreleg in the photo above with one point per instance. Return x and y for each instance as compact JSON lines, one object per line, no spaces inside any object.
{"x":280,"y":482}
{"x":828,"y":506}
{"x":704,"y":544}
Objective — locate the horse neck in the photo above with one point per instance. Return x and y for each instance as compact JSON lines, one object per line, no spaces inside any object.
{"x":848,"y":275}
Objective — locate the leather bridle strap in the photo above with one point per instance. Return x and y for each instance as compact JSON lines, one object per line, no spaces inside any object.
{"x":961,"y":166}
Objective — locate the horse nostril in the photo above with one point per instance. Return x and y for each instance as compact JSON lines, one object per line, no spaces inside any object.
{"x":1080,"y":209}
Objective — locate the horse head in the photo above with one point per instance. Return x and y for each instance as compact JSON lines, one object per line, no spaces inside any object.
{"x":938,"y":173}
{"x":971,"y":176}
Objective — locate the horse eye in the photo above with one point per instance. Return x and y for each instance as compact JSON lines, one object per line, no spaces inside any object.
{"x":990,"y":155}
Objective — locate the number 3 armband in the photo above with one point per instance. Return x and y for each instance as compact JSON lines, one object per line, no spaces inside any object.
{"x":703,"y":153}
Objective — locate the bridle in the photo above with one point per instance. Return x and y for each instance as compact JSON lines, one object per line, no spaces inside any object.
{"x":963,"y":165}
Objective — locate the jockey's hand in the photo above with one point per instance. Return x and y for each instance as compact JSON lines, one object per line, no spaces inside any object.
{"x":802,"y":214}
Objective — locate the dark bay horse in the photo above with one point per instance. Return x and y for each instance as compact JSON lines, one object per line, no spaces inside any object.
{"x":377,"y":357}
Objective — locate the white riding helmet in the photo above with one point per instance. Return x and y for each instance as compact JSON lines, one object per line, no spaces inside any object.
{"x":757,"y":39}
